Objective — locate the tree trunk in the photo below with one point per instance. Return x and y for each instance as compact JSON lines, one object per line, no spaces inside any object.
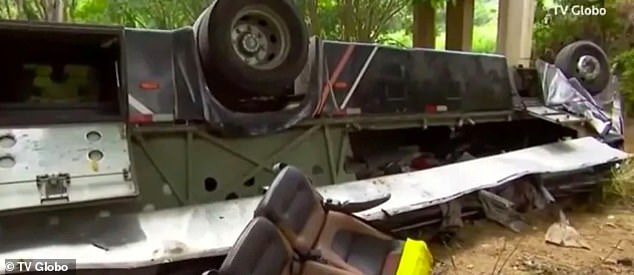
{"x":424,"y":25}
{"x":346,"y":17}
{"x":54,"y":10}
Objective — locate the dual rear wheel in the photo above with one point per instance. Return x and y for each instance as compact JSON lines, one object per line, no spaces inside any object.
{"x":587,"y":62}
{"x":257,"y":46}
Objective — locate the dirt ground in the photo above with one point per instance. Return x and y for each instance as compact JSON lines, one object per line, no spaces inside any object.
{"x":487,"y":248}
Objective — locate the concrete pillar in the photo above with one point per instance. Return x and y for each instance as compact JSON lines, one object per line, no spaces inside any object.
{"x":459,"y":33}
{"x":424,"y":29}
{"x":515,"y":30}
{"x":501,"y":38}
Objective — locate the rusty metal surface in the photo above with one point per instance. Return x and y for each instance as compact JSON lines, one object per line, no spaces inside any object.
{"x":155,"y":237}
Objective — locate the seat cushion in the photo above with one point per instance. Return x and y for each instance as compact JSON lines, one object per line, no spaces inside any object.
{"x":365,"y":252}
{"x":390,"y":266}
{"x":353,"y":245}
{"x":315,"y":268}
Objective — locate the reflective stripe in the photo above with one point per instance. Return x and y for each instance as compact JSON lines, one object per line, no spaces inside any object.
{"x":163,"y":117}
{"x":144,"y":110}
{"x":139,"y":106}
{"x":353,"y":111}
{"x":359,"y":77}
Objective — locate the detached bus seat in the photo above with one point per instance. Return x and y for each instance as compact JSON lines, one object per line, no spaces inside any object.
{"x":262,"y":250}
{"x":327,"y":230}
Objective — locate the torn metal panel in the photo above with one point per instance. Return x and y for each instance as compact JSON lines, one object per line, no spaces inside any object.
{"x":614,"y":103}
{"x":603,"y":111}
{"x":151,"y":238}
{"x":131,"y":241}
{"x":555,"y":116}
{"x":416,"y":190}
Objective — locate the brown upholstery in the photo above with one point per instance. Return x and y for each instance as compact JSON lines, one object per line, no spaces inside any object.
{"x":391,"y":263}
{"x":356,"y":243}
{"x":343,"y":240}
{"x":262,"y":250}
{"x":315,"y":268}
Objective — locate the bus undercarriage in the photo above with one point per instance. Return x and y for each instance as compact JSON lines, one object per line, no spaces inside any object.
{"x":122,"y":155}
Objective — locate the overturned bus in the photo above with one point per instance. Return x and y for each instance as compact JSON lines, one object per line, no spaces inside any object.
{"x":149,"y":150}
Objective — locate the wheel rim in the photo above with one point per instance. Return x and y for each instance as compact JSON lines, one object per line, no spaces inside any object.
{"x":588,"y":67}
{"x":259,"y":37}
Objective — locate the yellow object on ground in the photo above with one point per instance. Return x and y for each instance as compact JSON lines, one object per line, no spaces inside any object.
{"x":416,"y":259}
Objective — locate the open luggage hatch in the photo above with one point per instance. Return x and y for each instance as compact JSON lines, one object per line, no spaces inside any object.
{"x":62,"y":127}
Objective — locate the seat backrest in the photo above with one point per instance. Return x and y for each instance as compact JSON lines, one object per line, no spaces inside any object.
{"x":260,"y":250}
{"x":295,"y":207}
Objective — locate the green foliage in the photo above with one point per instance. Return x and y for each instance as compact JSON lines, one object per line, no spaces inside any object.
{"x":92,"y":11}
{"x":161,"y":14}
{"x":611,"y":32}
{"x":358,"y":20}
{"x":553,"y":31}
{"x":485,"y":11}
{"x":625,"y":62}
{"x":385,"y":21}
{"x":485,"y":37}
{"x":484,"y":26}
{"x":401,"y":38}
{"x":620,"y":189}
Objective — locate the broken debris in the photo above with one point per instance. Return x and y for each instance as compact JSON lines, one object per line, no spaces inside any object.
{"x":563,"y":234}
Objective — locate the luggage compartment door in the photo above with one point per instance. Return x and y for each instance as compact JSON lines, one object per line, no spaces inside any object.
{"x":63,"y":165}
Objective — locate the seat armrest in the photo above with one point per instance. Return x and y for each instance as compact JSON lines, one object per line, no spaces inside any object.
{"x":355,"y":206}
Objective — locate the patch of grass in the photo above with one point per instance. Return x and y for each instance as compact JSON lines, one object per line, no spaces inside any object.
{"x":620,"y":188}
{"x":484,"y":38}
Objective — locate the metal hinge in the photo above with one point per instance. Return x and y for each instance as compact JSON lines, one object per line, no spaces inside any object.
{"x":53,"y":187}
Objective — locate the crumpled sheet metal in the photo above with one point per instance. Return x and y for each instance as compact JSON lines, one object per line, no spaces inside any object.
{"x":603,"y":110}
{"x":211,"y":229}
{"x":168,"y":235}
{"x":417,"y":190}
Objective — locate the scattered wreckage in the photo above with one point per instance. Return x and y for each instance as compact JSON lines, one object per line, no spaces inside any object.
{"x":149,"y":150}
{"x":296,"y":231}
